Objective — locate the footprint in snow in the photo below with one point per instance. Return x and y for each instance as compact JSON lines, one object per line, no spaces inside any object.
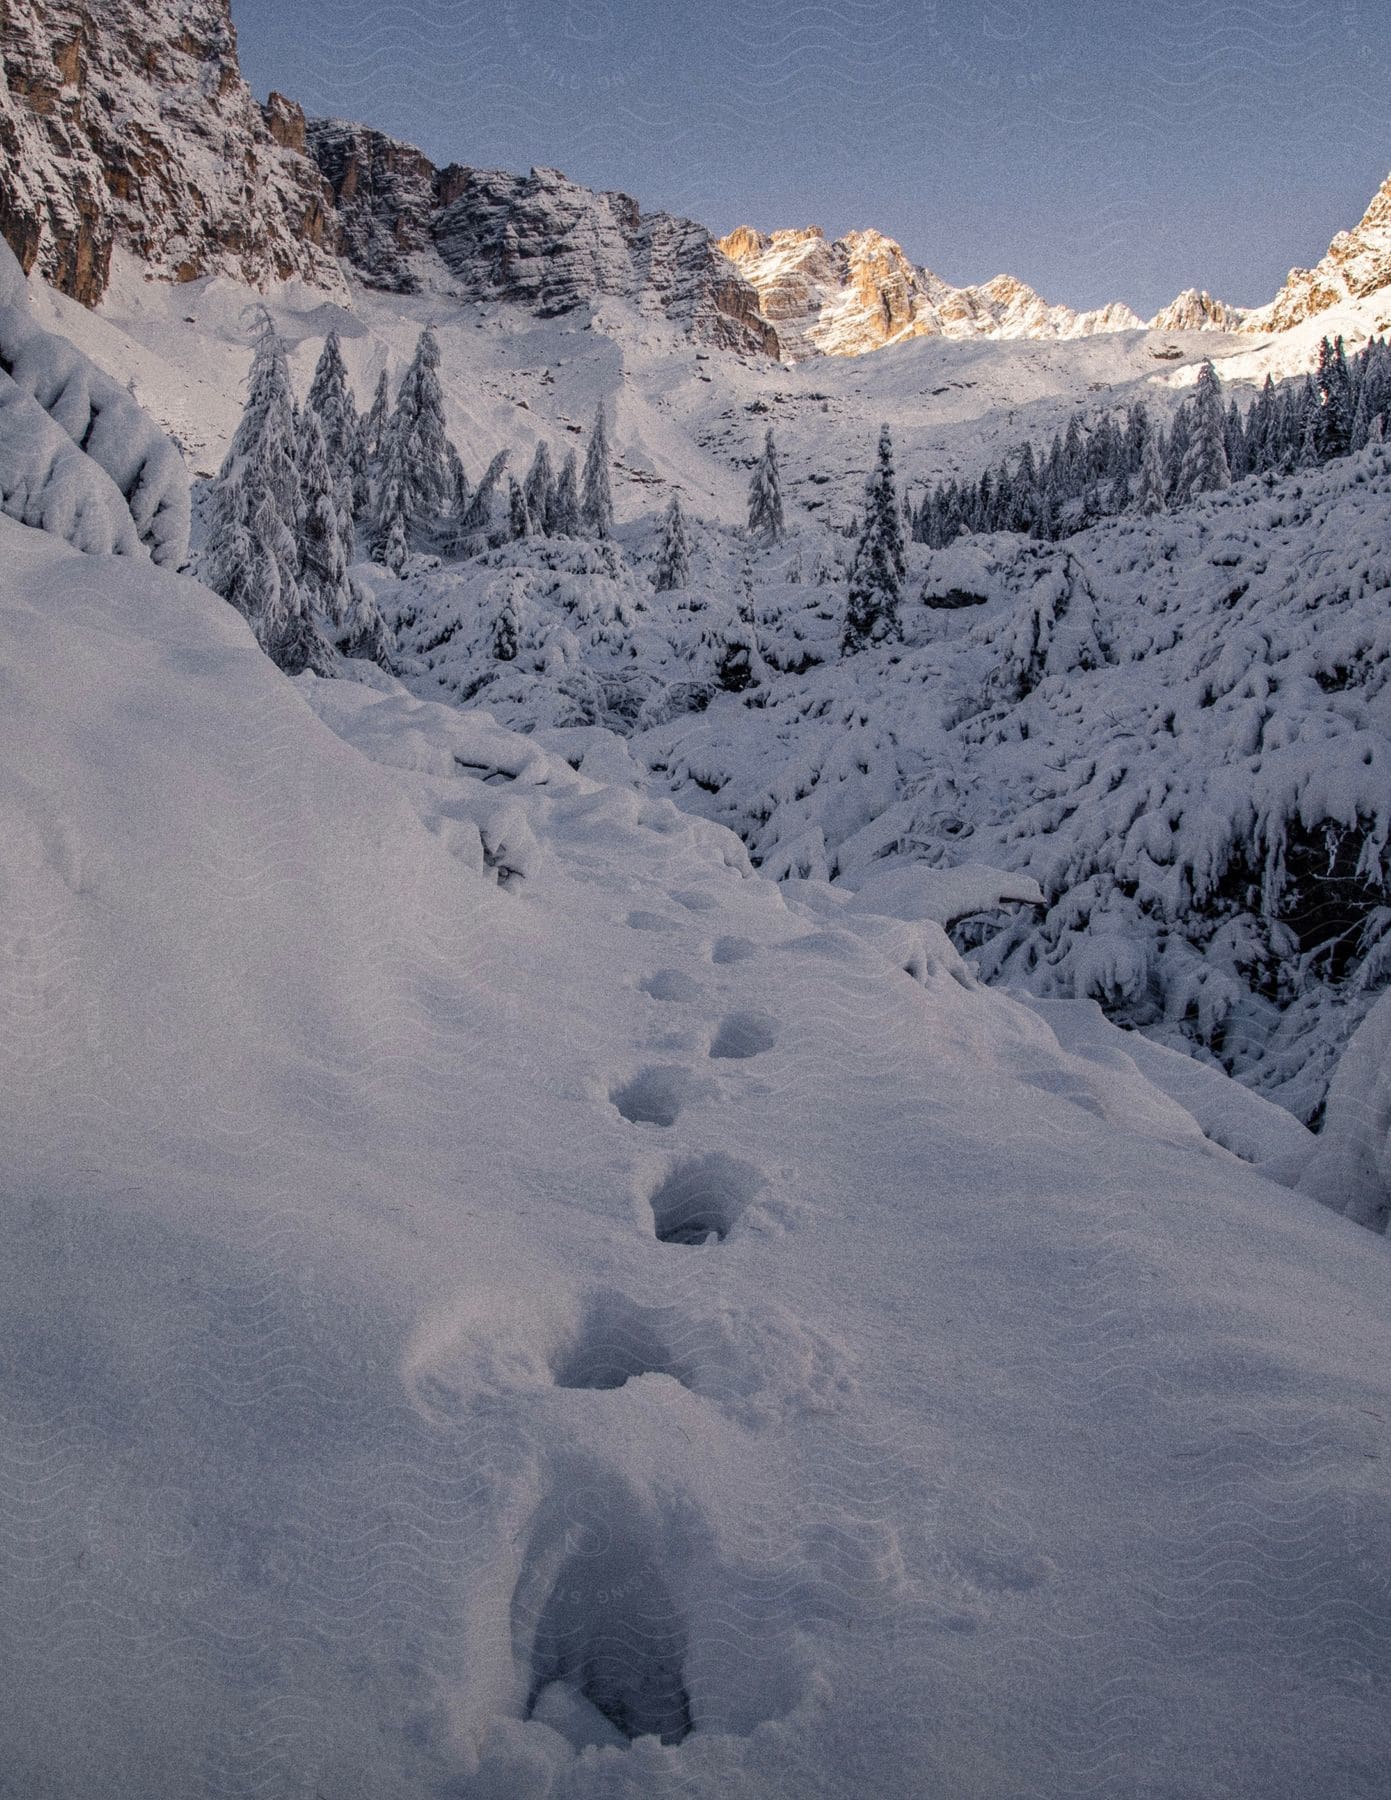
{"x":653,"y":1096}
{"x":704,"y":1197}
{"x":743,"y":1035}
{"x":598,"y":1637}
{"x":673,"y":985}
{"x":639,"y":920}
{"x":732,"y":950}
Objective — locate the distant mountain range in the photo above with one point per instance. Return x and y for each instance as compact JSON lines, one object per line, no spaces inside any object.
{"x":128,"y":123}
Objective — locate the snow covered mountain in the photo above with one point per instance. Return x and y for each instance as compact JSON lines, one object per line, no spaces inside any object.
{"x":130,"y":125}
{"x":1357,"y":268}
{"x":1196,"y":310}
{"x":860,"y":292}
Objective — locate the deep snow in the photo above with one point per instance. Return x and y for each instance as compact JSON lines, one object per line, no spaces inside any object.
{"x":371,"y":1075}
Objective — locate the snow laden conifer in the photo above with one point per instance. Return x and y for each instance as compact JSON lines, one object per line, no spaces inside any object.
{"x":539,"y":489}
{"x":253,"y":553}
{"x":596,"y":505}
{"x":880,"y":566}
{"x":1205,"y":469}
{"x":563,"y":514}
{"x":365,"y":634}
{"x":766,"y":524}
{"x":374,"y":420}
{"x":459,"y":489}
{"x":674,"y":551}
{"x":732,"y":641}
{"x":415,"y":485}
{"x":331,"y":402}
{"x":518,"y":512}
{"x":1334,"y":386}
{"x":391,"y":520}
{"x":1152,"y":497}
{"x":469,"y":533}
{"x":505,"y":635}
{"x":324,"y":553}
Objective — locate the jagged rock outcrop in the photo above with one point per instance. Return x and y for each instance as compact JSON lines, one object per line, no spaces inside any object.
{"x":551,"y":245}
{"x":1196,"y":310}
{"x":386,"y":196}
{"x":1358,"y":263}
{"x":861,"y":292}
{"x":127,"y":121}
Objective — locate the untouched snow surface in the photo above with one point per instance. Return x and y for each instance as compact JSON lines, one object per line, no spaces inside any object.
{"x":493,"y":1284}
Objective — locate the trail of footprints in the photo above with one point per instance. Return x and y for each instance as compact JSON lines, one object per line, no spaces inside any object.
{"x":594,"y":1622}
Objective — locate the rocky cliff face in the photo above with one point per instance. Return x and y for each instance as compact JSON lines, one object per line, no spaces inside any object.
{"x":127,"y":121}
{"x":861,"y":292}
{"x":545,"y":243}
{"x":1196,"y":310}
{"x":386,"y":196}
{"x":1358,"y":263}
{"x":534,"y":240}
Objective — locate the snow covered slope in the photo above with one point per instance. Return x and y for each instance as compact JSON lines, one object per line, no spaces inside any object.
{"x":681,"y":415}
{"x":1177,"y":727}
{"x":376,"y":1420}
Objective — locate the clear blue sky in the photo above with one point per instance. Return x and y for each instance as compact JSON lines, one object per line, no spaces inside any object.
{"x":1098,"y":149}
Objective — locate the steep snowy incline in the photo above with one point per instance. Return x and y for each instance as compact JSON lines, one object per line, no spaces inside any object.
{"x":500,"y":1301}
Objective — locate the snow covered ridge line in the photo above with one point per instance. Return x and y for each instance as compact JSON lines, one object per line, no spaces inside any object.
{"x":225,"y":186}
{"x":78,"y":456}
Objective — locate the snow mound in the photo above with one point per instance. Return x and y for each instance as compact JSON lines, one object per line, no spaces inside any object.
{"x":1351,"y":1168}
{"x":122,"y":459}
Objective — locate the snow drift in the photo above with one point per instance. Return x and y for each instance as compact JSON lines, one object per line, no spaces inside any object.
{"x":116,"y":470}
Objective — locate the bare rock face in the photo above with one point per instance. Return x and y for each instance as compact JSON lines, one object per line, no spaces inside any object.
{"x":860,"y":292}
{"x":386,"y":195}
{"x":1196,"y":310}
{"x":548,"y":244}
{"x":1358,"y":263}
{"x":127,"y":121}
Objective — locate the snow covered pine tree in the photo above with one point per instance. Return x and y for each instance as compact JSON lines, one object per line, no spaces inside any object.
{"x":877,"y":574}
{"x":596,"y":509}
{"x":674,"y":551}
{"x":1205,"y":469}
{"x":415,"y":484}
{"x":253,"y":556}
{"x":765,"y":495}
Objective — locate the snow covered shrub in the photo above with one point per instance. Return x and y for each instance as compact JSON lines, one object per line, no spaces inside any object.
{"x":108,"y":429}
{"x":46,"y":481}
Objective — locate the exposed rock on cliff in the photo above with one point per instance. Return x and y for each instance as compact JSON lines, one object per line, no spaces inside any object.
{"x":127,"y":121}
{"x":1358,"y":263}
{"x":860,"y":292}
